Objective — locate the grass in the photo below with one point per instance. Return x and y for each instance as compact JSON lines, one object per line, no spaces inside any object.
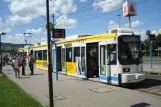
{"x":11,"y":95}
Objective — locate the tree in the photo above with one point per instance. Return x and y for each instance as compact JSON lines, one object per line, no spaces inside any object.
{"x":146,"y":45}
{"x":158,"y":40}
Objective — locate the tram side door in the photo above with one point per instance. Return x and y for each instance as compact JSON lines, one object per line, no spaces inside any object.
{"x":83,"y":61}
{"x":63,"y":62}
{"x":104,"y":67}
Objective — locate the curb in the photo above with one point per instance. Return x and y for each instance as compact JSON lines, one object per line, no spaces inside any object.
{"x":152,"y":72}
{"x":2,"y":74}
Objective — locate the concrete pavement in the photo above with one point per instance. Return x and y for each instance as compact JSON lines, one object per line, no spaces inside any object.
{"x":74,"y":92}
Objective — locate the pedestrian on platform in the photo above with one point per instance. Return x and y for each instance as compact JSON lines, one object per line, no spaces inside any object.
{"x":16,"y":67}
{"x":31,"y":63}
{"x":23,"y":60}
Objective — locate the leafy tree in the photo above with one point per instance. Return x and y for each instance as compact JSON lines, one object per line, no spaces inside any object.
{"x":158,"y":40}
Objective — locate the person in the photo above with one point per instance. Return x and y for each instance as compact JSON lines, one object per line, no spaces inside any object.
{"x":23,"y":63}
{"x":16,"y":67}
{"x":113,"y":55}
{"x":31,"y":63}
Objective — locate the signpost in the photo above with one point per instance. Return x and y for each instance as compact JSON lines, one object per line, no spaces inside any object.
{"x":151,"y":37}
{"x":56,"y":34}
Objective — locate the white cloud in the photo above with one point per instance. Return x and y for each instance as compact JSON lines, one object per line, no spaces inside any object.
{"x":83,"y":0}
{"x":108,"y":5}
{"x":154,"y":32}
{"x":135,"y":24}
{"x":17,"y":38}
{"x":143,"y":35}
{"x":7,"y":30}
{"x":112,"y":24}
{"x":45,"y":33}
{"x":36,"y":8}
{"x":1,"y":23}
{"x":66,"y":6}
{"x":39,"y":40}
{"x":35,"y":31}
{"x":65,"y":22}
{"x":19,"y":20}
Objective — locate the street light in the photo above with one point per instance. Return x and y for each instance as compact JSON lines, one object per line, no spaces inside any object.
{"x":1,"y":51}
{"x":119,"y":19}
{"x":26,"y":37}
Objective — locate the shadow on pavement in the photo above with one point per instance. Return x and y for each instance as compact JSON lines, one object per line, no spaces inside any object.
{"x":8,"y":70}
{"x":143,"y":104}
{"x":24,"y":77}
{"x":9,"y":73}
{"x":147,"y":83}
{"x":34,"y":74}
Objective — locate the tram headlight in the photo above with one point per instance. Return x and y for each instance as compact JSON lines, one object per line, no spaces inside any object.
{"x":126,"y":70}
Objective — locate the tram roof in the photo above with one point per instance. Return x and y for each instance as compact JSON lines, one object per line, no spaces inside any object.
{"x":88,"y":38}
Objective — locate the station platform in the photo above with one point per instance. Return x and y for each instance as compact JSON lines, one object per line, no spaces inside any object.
{"x":75,"y":92}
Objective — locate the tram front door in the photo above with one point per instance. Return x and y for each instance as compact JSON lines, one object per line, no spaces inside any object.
{"x":92,"y":60}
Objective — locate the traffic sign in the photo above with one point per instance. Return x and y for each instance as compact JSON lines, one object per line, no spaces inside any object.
{"x":151,"y":36}
{"x":58,"y":33}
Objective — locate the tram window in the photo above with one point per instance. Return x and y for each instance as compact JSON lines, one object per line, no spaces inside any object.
{"x":54,"y":57}
{"x":36,"y":55}
{"x":44,"y":54}
{"x":63,"y":58}
{"x":76,"y":52}
{"x":40,"y":55}
{"x":102,"y":60}
{"x":83,"y":58}
{"x":112,"y":54}
{"x":69,"y":54}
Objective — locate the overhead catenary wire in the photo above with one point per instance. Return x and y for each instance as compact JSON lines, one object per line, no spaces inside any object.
{"x":106,"y":13}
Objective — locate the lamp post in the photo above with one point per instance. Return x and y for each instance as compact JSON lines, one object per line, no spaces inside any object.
{"x":1,"y":51}
{"x":119,"y":19}
{"x":26,"y":37}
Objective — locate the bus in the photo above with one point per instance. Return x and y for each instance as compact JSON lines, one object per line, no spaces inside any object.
{"x":113,"y":58}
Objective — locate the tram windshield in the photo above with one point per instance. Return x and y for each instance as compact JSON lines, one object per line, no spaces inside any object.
{"x":129,"y":49}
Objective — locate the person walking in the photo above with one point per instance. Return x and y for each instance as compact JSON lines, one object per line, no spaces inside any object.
{"x":16,"y":67}
{"x":31,"y":63}
{"x":23,"y":63}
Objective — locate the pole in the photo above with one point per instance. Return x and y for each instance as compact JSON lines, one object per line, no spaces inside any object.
{"x":49,"y":58}
{"x":1,"y":55}
{"x":129,"y":21}
{"x":119,"y":19}
{"x":55,"y":53}
{"x":151,"y":54}
{"x":158,"y":50}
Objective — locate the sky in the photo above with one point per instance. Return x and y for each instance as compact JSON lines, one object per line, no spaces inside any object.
{"x":75,"y":16}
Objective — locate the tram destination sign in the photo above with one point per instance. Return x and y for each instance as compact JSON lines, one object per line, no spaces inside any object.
{"x":58,"y":33}
{"x":131,"y":39}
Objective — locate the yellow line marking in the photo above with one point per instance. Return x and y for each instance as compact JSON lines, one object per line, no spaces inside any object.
{"x":154,"y":90}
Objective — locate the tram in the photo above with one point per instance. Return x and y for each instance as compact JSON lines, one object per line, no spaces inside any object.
{"x":113,"y":58}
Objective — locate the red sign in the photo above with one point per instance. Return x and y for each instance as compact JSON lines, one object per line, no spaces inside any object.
{"x":132,"y":8}
{"x":129,"y":9}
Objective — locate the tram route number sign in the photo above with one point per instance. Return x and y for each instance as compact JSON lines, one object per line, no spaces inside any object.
{"x":131,"y":39}
{"x":58,"y":33}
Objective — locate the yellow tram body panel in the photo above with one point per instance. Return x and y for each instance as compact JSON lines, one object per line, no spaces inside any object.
{"x":42,"y":64}
{"x":71,"y":67}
